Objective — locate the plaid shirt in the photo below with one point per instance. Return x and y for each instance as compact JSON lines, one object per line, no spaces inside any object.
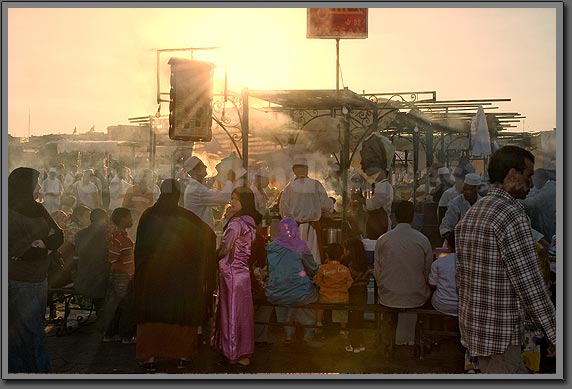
{"x":499,"y":280}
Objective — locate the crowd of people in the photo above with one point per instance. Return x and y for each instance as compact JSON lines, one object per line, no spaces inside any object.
{"x":145,"y":253}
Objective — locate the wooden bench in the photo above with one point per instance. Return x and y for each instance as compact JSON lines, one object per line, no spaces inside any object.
{"x":68,"y":296}
{"x":422,"y":334}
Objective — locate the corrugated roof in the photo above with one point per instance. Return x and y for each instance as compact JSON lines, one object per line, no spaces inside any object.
{"x":321,"y":99}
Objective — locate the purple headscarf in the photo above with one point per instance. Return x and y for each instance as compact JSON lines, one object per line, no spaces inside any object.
{"x":289,"y":236}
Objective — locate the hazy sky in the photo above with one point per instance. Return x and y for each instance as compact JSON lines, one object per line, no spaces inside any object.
{"x":83,"y":67}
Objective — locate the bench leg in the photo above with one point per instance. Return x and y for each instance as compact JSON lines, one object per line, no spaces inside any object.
{"x":420,"y":343}
{"x":67,"y":310}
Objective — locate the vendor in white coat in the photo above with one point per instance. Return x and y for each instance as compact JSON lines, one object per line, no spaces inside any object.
{"x":261,"y":181}
{"x":198,"y":198}
{"x":304,"y":199}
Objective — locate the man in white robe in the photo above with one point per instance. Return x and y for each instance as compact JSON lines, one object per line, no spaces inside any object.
{"x":51,"y":191}
{"x":304,"y":199}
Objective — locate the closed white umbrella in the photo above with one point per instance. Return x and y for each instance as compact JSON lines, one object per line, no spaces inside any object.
{"x":480,"y":134}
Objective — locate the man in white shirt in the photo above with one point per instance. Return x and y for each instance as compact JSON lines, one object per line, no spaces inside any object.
{"x":304,"y":199}
{"x":86,"y":192}
{"x":118,"y":187}
{"x":198,"y":198}
{"x":449,"y":195}
{"x":261,"y":181}
{"x":51,"y":191}
{"x":457,"y":207}
{"x":69,"y":179}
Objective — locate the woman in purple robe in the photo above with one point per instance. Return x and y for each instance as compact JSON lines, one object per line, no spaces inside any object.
{"x":233,"y":330}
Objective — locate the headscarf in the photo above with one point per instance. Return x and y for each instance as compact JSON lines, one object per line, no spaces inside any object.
{"x":289,"y":236}
{"x":248,"y":206}
{"x":21,"y":185}
{"x":168,"y":200}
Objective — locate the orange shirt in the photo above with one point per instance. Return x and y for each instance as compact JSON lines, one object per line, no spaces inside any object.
{"x":121,"y":254}
{"x":334,"y":280}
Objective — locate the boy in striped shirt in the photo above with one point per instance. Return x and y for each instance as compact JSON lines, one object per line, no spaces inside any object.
{"x":118,"y":321}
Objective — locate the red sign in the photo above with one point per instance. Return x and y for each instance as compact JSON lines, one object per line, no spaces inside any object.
{"x":344,"y":23}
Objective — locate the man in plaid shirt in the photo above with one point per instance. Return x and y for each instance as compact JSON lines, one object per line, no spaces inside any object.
{"x":498,"y":277}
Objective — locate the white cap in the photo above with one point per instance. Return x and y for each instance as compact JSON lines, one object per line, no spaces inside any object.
{"x":191,"y":163}
{"x":52,"y":170}
{"x":473,"y":179}
{"x":442,"y":170}
{"x":300,"y":161}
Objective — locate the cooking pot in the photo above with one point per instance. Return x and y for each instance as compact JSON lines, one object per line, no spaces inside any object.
{"x":333,"y":235}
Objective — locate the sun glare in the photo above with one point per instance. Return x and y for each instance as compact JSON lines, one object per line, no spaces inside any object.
{"x":256,"y":49}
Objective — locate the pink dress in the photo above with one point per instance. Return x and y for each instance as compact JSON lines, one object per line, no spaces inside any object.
{"x":233,"y":327}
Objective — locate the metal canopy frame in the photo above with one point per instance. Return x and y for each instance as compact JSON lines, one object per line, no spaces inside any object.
{"x":361,"y":115}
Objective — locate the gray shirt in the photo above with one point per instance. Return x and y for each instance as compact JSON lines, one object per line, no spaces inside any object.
{"x":541,"y":207}
{"x":456,"y":209}
{"x":403,"y":258}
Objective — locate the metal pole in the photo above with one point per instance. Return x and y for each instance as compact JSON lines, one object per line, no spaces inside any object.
{"x":337,"y":66}
{"x":345,"y":162}
{"x":244,"y":128}
{"x":150,"y":143}
{"x":415,"y":163}
{"x":154,"y":149}
{"x":158,"y":80}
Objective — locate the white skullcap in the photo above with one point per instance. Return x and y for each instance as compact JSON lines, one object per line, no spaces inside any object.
{"x":473,"y":179}
{"x":191,"y":163}
{"x":442,"y":170}
{"x":300,"y":161}
{"x":52,"y":170}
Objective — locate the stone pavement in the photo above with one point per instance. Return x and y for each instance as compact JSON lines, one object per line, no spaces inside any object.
{"x":82,"y":352}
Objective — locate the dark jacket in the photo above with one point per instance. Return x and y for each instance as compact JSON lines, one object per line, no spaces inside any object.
{"x":175,"y":266}
{"x":26,"y":263}
{"x":93,"y":265}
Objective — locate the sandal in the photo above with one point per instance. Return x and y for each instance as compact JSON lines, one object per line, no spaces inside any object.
{"x":243,"y":362}
{"x":183,"y":363}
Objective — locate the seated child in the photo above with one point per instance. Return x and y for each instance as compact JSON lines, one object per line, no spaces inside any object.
{"x":445,"y":299}
{"x":334,"y":281}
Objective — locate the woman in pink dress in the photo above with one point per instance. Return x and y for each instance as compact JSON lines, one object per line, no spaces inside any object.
{"x":233,"y":330}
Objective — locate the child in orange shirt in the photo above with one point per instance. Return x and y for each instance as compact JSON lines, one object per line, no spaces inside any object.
{"x":334,"y":281}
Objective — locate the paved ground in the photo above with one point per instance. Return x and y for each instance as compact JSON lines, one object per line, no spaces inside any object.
{"x":82,"y":352}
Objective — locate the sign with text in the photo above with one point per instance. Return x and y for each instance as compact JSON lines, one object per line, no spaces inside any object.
{"x":337,"y":23}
